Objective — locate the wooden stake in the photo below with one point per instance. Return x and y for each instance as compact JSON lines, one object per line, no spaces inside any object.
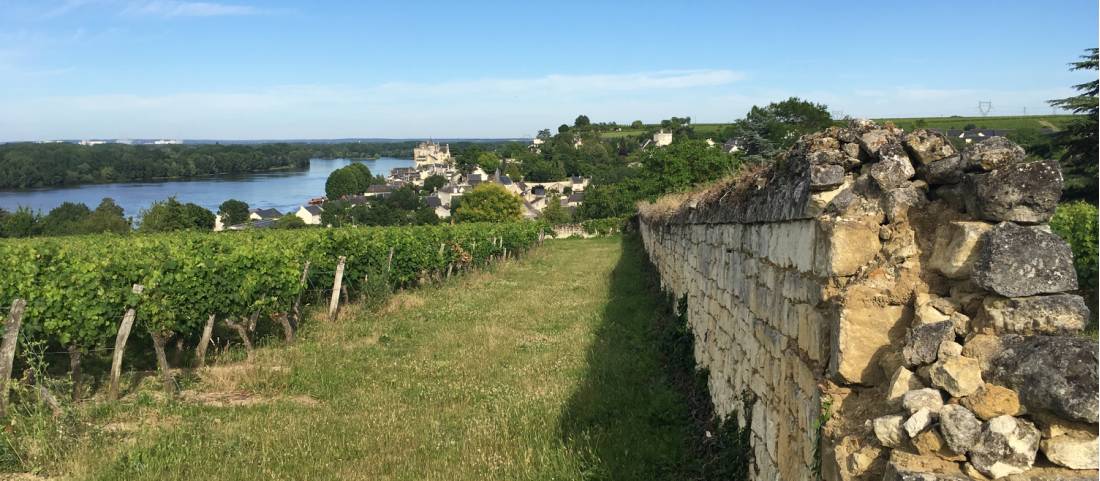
{"x":74,"y":370}
{"x":204,"y":341}
{"x":334,"y":302}
{"x":120,"y":346}
{"x":159,"y":340}
{"x":288,"y":331}
{"x":450,"y":266}
{"x":7,"y":349}
{"x":298,"y":302}
{"x":389,"y":261}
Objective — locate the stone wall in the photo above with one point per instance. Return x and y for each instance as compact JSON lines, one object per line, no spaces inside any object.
{"x":888,"y":308}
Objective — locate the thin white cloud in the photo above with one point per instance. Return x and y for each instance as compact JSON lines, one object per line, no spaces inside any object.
{"x":173,"y":8}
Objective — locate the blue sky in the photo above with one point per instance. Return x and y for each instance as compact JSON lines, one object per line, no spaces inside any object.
{"x":324,"y":69}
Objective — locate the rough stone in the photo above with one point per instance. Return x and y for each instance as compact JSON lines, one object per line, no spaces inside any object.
{"x":930,"y":442}
{"x":898,"y":202}
{"x":872,"y":141}
{"x":826,"y":177}
{"x":903,"y":466}
{"x":1025,"y":193}
{"x":961,"y":322}
{"x":890,"y":430}
{"x":1054,"y":314}
{"x":955,"y":248}
{"x":928,"y":314}
{"x":922,"y":343}
{"x":992,"y":153}
{"x":950,"y":349}
{"x":959,"y":427}
{"x":984,"y":348}
{"x":1071,"y":452}
{"x":1016,"y":261}
{"x":1054,"y":374}
{"x":960,"y":376}
{"x":845,"y":245}
{"x":861,"y":337}
{"x":902,"y":382}
{"x":924,"y":398}
{"x":991,"y":401}
{"x":928,"y":146}
{"x":850,"y":149}
{"x":1006,"y":446}
{"x":946,"y":171}
{"x":893,"y":170}
{"x":918,"y":422}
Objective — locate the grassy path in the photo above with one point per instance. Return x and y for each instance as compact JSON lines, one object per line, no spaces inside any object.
{"x":546,"y":368}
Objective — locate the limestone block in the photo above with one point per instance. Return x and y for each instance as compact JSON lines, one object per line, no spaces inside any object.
{"x":1071,"y":452}
{"x":923,"y":398}
{"x":955,"y":248}
{"x":843,"y":246}
{"x":1053,"y":374}
{"x":958,"y":375}
{"x":1016,"y":261}
{"x":1024,"y":193}
{"x":890,"y":430}
{"x":1006,"y":446}
{"x":1054,"y":314}
{"x":960,"y":428}
{"x":902,"y":382}
{"x":992,"y":153}
{"x":927,"y":146}
{"x":862,"y":333}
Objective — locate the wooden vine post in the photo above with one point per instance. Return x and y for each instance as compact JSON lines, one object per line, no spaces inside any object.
{"x":7,"y":349}
{"x":159,"y":340}
{"x":204,"y":341}
{"x":297,"y":320}
{"x":334,"y":302}
{"x":120,"y":345}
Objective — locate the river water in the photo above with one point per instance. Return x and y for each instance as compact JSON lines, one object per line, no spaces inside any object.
{"x":279,"y":190}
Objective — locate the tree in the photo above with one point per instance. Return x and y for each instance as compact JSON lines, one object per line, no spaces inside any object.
{"x":554,"y":213}
{"x":543,"y":134}
{"x":348,"y":180}
{"x":107,"y":217}
{"x":684,"y":164}
{"x":489,"y":161}
{"x":21,"y":223}
{"x":563,"y":129}
{"x":1079,"y":163}
{"x":404,"y":198}
{"x":489,"y":203}
{"x":289,"y":221}
{"x":233,"y":212}
{"x":582,"y":122}
{"x":171,"y":215}
{"x":66,"y":219}
{"x":434,"y":182}
{"x":767,"y":131}
{"x":637,"y":124}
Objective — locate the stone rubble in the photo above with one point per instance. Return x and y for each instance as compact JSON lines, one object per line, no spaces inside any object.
{"x":908,"y":292}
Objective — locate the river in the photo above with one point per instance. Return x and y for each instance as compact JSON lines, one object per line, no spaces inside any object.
{"x":284,"y":190}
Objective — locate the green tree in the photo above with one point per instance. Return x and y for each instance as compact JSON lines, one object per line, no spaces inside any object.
{"x":434,"y":183}
{"x":289,"y":221}
{"x":582,"y":122}
{"x":107,"y":217}
{"x":1079,"y":163}
{"x":348,"y":180}
{"x":489,"y":203}
{"x":69,"y":218}
{"x":404,"y":198}
{"x":1076,"y":222}
{"x":554,"y":213}
{"x":767,"y":131}
{"x":489,"y":161}
{"x":563,"y":129}
{"x":171,"y":215}
{"x":233,"y":212}
{"x":637,"y":124}
{"x":685,"y":164}
{"x":21,"y":223}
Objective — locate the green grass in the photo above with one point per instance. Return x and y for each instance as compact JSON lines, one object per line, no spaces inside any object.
{"x":1014,"y":122}
{"x":549,"y":367}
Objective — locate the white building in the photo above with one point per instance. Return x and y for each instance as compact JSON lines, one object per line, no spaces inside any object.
{"x":310,"y":214}
{"x":167,"y":142}
{"x":662,"y":138}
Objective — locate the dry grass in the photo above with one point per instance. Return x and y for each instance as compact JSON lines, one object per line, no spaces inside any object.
{"x":737,"y":186}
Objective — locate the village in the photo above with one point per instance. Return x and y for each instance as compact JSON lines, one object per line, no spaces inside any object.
{"x":434,"y":159}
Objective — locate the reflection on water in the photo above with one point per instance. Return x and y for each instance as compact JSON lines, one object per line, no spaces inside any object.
{"x":279,"y":190}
